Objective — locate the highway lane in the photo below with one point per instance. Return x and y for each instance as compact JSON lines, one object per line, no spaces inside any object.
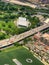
{"x":19,"y":37}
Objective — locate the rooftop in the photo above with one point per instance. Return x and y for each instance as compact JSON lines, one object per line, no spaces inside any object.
{"x":47,"y":20}
{"x":46,"y":36}
{"x":22,"y":21}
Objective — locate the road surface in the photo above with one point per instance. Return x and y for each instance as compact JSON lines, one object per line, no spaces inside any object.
{"x":19,"y":37}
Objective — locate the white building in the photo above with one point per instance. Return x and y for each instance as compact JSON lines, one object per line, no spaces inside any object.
{"x":46,"y":21}
{"x":23,"y":22}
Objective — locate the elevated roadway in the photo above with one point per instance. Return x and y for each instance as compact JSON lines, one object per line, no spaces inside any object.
{"x":31,"y":32}
{"x":16,"y":38}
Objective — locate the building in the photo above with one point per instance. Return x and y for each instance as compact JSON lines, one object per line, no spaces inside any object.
{"x":37,"y":36}
{"x":34,"y":1}
{"x":38,"y":1}
{"x":46,"y":36}
{"x":23,"y":22}
{"x":44,"y":1}
{"x":45,"y":39}
{"x":46,"y":21}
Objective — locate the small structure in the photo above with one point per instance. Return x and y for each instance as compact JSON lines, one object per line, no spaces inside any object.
{"x":45,"y":38}
{"x":37,"y":36}
{"x":23,"y":22}
{"x":46,"y":21}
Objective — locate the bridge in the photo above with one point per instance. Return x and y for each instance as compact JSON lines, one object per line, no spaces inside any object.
{"x":31,"y":32}
{"x":16,"y":38}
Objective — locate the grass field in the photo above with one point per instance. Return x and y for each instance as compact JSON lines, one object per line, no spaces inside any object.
{"x":21,"y":54}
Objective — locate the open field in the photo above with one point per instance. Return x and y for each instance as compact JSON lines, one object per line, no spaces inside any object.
{"x":19,"y":55}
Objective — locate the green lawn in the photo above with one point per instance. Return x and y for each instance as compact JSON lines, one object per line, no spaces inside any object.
{"x":21,"y":54}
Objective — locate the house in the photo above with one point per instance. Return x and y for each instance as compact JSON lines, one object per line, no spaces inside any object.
{"x":37,"y":36}
{"x":23,"y":22}
{"x":45,"y":38}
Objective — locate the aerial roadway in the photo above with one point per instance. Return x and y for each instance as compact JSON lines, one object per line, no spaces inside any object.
{"x":19,"y":37}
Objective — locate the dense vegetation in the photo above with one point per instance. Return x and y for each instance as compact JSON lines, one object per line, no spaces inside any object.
{"x":9,"y":13}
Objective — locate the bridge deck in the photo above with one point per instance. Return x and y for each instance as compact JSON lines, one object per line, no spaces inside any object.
{"x":19,"y":37}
